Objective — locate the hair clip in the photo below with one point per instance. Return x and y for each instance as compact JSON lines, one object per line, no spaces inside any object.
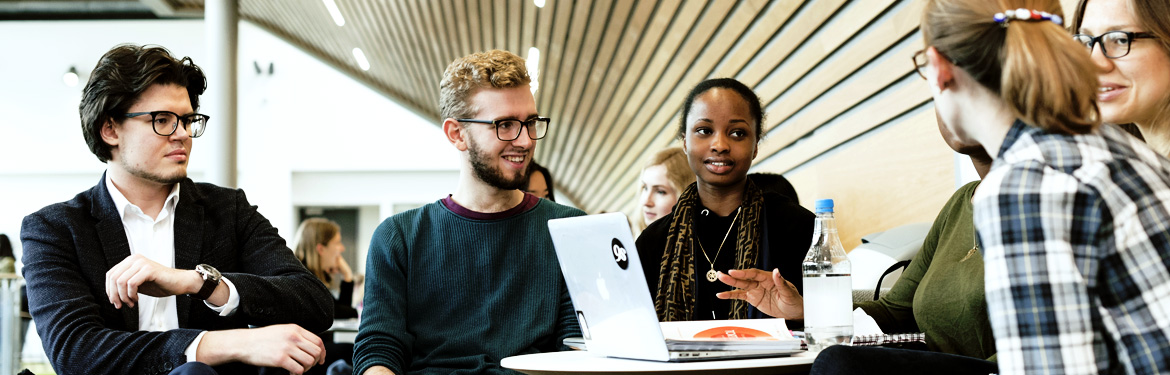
{"x":1026,"y":15}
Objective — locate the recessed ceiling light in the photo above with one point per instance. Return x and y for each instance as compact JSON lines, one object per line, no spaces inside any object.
{"x":333,"y":11}
{"x":533,"y":63}
{"x":361,"y":59}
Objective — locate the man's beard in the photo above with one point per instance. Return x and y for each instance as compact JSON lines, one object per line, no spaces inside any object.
{"x":154,"y":177}
{"x":491,"y":174}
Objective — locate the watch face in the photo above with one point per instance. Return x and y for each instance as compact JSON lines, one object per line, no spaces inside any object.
{"x":210,"y":280}
{"x":208,"y":272}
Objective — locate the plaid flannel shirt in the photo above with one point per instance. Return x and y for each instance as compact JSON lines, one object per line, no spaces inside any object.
{"x":1075,"y":232}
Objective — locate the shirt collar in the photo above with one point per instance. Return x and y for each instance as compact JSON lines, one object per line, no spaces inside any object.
{"x":526,"y":204}
{"x":121,"y":203}
{"x":1014,"y":133}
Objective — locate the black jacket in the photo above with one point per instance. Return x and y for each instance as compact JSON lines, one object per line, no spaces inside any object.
{"x":69,"y":246}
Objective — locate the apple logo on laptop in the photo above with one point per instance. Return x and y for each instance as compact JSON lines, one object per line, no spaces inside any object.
{"x":619,"y":254}
{"x":602,"y":290}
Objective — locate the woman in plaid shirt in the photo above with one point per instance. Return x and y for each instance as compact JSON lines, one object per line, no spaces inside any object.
{"x":1074,"y":217}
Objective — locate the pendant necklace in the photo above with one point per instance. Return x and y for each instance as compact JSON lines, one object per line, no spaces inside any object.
{"x":974,"y":246}
{"x":712,"y":275}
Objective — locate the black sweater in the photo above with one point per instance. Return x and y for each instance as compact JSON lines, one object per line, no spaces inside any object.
{"x":785,"y":239}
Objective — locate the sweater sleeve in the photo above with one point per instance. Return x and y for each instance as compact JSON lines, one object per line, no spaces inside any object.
{"x":567,"y":325}
{"x":274,"y":287}
{"x":383,"y":338}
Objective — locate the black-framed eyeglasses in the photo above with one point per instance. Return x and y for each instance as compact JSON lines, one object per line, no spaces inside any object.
{"x":1114,"y":44}
{"x":166,"y":122}
{"x":919,"y":60}
{"x":508,"y":130}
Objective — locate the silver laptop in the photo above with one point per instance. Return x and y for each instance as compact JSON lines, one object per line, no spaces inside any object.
{"x":609,"y":292}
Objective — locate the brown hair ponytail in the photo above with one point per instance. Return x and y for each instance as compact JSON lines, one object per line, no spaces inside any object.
{"x":1036,"y":67}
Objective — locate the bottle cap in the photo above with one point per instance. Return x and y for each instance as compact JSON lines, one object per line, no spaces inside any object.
{"x":824,"y":205}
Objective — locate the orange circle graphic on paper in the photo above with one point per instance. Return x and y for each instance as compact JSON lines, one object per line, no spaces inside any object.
{"x":731,"y":332}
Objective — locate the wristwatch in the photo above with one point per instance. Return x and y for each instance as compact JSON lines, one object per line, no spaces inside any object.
{"x":211,"y":278}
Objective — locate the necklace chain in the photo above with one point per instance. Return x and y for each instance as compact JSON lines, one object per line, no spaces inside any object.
{"x":974,"y":244}
{"x":712,"y":275}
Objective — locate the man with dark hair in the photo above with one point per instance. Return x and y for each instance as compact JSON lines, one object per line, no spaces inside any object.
{"x":150,"y":273}
{"x":457,"y":285}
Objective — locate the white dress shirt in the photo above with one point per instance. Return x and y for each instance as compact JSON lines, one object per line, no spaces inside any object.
{"x":154,"y":238}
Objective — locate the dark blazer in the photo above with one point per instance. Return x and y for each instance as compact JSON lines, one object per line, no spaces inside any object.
{"x":69,"y":246}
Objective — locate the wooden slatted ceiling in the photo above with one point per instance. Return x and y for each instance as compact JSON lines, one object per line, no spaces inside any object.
{"x":843,"y":104}
{"x":613,"y":74}
{"x":814,"y":50}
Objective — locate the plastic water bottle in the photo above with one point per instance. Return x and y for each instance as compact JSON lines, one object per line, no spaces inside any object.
{"x":828,"y":288}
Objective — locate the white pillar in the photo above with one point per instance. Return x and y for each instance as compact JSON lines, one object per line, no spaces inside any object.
{"x":221,"y":28}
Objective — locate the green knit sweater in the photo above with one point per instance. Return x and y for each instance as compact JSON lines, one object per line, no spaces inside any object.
{"x":941,"y":292}
{"x":446,"y":294}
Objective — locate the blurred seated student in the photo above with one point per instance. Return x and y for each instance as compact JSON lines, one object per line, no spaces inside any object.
{"x":318,"y":246}
{"x":664,"y":177}
{"x":722,"y":221}
{"x":540,"y":182}
{"x":1072,"y":217}
{"x":774,"y":182}
{"x":939,"y":294}
{"x":1129,"y":41}
{"x":7,"y":258}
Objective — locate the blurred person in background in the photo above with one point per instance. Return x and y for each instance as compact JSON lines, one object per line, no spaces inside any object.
{"x":7,"y":258}
{"x":775,"y":182}
{"x":664,"y":177}
{"x":318,"y":246}
{"x":540,"y":182}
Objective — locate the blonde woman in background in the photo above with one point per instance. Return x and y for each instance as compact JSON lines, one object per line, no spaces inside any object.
{"x":318,"y":246}
{"x":665,"y":176}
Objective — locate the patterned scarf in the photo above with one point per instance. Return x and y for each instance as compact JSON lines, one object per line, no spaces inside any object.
{"x":675,"y":300}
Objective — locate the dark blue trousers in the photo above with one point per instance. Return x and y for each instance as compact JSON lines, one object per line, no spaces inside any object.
{"x":875,"y":360}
